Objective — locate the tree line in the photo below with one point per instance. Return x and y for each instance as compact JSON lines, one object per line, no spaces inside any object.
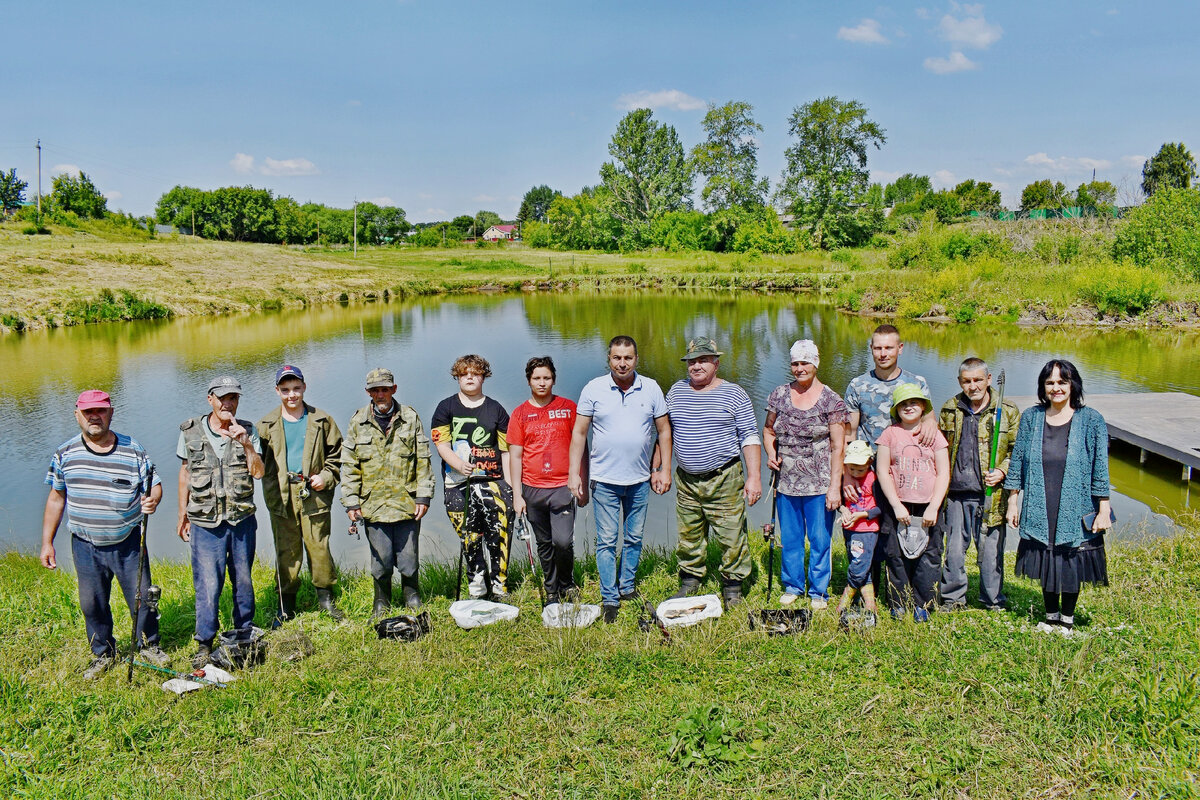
{"x":646,"y":194}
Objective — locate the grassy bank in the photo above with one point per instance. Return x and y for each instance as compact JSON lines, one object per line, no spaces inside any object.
{"x":971,"y":705}
{"x":1036,"y":273}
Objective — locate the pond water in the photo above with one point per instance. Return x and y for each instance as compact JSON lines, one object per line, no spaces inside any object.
{"x":158,"y":373}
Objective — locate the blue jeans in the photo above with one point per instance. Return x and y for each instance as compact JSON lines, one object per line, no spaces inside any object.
{"x":610,"y":500}
{"x":800,"y":517}
{"x":95,"y":568}
{"x":214,"y":550}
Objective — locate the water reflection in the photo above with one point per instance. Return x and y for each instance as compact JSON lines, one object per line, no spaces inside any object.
{"x":157,"y":374}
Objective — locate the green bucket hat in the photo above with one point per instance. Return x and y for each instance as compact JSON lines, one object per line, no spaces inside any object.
{"x":699,"y":347}
{"x":909,"y":391}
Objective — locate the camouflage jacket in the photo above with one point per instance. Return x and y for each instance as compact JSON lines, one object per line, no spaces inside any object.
{"x":386,"y":475}
{"x":322,"y":456}
{"x":950,"y":421}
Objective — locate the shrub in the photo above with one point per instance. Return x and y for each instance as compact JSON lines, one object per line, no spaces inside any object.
{"x":1121,"y":288}
{"x":1166,"y":228}
{"x":107,"y":306}
{"x":765,"y":236}
{"x":537,"y":234}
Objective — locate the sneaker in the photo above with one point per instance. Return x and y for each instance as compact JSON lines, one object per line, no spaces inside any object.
{"x":1067,"y":623}
{"x":868,"y":619}
{"x":897,"y":614}
{"x":630,"y":597}
{"x":787,"y":598}
{"x":572,"y":595}
{"x":552,"y":598}
{"x":952,"y":608}
{"x":920,"y":615}
{"x":203,"y":654}
{"x":610,"y":614}
{"x":153,"y":654}
{"x":844,"y":621}
{"x":99,"y":666}
{"x":499,"y":592}
{"x":819,"y":604}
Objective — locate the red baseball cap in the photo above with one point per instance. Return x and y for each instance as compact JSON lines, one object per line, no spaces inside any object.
{"x":93,"y":398}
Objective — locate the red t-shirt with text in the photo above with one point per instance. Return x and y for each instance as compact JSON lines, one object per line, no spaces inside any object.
{"x":545,"y":435}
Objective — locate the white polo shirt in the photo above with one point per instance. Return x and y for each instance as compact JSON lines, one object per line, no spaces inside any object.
{"x":623,"y":427}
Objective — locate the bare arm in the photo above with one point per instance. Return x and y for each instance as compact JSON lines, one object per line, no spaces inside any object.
{"x":837,"y":450}
{"x":753,"y":489}
{"x":575,"y":456}
{"x":56,"y":501}
{"x":883,"y":475}
{"x":769,"y":444}
{"x":448,"y":456}
{"x":660,"y":481}
{"x":941,"y":460}
{"x":515,"y":454}
{"x":185,"y":482}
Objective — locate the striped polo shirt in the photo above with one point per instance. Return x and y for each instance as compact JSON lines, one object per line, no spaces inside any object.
{"x":710,"y":428}
{"x":104,"y":490}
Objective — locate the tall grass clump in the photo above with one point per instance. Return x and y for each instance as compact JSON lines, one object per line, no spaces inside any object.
{"x":109,"y":306}
{"x":1121,"y":289}
{"x":1164,"y":230}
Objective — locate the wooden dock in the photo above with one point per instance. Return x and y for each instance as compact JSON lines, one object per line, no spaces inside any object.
{"x":1164,"y":423}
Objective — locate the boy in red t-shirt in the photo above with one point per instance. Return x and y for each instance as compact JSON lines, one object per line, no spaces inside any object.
{"x":860,"y":527}
{"x":539,"y":442}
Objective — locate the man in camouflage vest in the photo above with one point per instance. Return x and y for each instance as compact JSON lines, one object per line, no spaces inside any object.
{"x":221,"y":457}
{"x":387,"y":483}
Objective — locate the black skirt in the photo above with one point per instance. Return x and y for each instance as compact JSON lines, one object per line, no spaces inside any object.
{"x":1063,"y":569}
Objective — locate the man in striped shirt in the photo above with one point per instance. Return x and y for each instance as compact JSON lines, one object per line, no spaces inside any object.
{"x":713,"y":426}
{"x":106,"y":484}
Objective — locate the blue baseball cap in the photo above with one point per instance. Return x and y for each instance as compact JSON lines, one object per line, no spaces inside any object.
{"x":288,"y":371}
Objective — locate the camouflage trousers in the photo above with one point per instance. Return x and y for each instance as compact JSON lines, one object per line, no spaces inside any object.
{"x":713,"y":505}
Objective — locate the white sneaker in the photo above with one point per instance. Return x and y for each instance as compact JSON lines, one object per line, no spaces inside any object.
{"x":1046,"y":627}
{"x":819,"y":604}
{"x":787,"y":598}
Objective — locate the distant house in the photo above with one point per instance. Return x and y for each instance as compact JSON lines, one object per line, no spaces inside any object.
{"x":498,"y":233}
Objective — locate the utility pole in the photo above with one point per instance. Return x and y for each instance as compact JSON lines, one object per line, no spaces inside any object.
{"x":39,"y":149}
{"x":318,"y":233}
{"x":193,"y":224}
{"x":356,"y":227}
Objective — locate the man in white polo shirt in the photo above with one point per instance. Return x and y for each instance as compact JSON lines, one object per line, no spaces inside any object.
{"x":627,"y":413}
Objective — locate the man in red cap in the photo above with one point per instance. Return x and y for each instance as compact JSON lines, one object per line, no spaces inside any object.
{"x":107,"y":485}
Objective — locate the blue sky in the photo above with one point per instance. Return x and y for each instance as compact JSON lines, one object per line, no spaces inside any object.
{"x":448,"y":108}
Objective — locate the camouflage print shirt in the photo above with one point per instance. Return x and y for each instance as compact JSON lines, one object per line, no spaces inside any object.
{"x":386,"y":475}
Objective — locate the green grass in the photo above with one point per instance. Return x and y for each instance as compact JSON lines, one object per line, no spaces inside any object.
{"x":971,"y":705}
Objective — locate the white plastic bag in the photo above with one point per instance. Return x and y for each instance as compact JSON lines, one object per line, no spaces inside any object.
{"x":477,"y":613}
{"x":218,"y":677}
{"x":569,"y":615}
{"x":685,"y":611}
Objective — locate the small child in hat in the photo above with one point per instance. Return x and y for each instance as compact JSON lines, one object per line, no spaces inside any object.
{"x":914,"y":479}
{"x":860,"y":527}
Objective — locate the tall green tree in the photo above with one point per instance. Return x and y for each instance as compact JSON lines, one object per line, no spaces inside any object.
{"x":12,"y":190}
{"x":1172,"y":167}
{"x":978,"y":196}
{"x":650,"y":175}
{"x":536,"y":203}
{"x":826,"y":175}
{"x":485,"y":220}
{"x":1044,"y":194}
{"x":78,"y":195}
{"x":906,"y":188}
{"x":1096,"y":194}
{"x":728,"y":158}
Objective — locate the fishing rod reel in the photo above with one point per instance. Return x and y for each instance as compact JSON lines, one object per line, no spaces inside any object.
{"x":768,"y":532}
{"x":153,"y":595}
{"x":300,"y":477}
{"x":353,"y":531}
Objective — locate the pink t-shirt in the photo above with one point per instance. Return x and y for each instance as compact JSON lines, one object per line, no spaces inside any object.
{"x":913,"y":467}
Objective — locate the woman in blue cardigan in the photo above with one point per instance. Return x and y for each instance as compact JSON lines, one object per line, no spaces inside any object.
{"x":1059,"y":470}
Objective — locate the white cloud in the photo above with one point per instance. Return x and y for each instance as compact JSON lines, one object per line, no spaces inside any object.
{"x":483,"y":198}
{"x":1066,"y":163}
{"x":435,"y":212}
{"x":970,"y":31}
{"x":956,"y":62}
{"x":379,"y":201}
{"x":64,"y":169}
{"x":667,"y":98}
{"x":922,"y":13}
{"x":944,"y":179}
{"x":1134,"y":161}
{"x":113,"y":195}
{"x":242,"y":163}
{"x":865,"y":32}
{"x":288,"y":166}
{"x":1004,"y":171}
{"x":884,"y":176}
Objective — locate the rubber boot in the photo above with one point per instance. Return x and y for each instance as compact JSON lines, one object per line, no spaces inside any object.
{"x":688,"y":585}
{"x":383,"y":598}
{"x":732,"y":594}
{"x":412,"y":593}
{"x":287,"y":609}
{"x":326,"y":604}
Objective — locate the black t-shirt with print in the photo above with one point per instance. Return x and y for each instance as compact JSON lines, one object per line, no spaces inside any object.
{"x":477,"y":435}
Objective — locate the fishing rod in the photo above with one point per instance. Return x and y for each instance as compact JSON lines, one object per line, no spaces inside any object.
{"x":769,"y":533}
{"x":989,"y":490}
{"x":523,"y":533}
{"x":187,"y":676}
